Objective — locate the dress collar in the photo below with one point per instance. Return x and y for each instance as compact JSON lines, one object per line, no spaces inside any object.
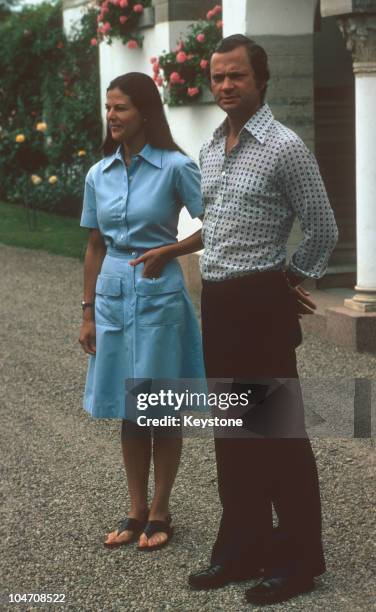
{"x":148,"y":153}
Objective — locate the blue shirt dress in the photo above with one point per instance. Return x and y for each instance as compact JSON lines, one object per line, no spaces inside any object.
{"x":145,"y":328}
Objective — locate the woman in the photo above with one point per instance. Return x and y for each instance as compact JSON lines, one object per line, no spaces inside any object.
{"x":143,"y":324}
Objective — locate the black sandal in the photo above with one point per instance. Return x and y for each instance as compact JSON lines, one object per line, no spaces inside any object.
{"x":128,"y":524}
{"x":153,"y":527}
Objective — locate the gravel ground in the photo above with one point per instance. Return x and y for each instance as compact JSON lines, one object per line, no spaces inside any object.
{"x":63,"y":483}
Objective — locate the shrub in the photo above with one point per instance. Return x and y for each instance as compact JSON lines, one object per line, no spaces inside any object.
{"x":49,"y":101}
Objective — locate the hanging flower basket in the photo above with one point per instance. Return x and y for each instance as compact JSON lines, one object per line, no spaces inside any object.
{"x":183,"y":72}
{"x":123,"y":19}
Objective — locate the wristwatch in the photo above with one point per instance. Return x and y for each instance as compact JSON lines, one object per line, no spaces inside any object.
{"x":85,"y":305}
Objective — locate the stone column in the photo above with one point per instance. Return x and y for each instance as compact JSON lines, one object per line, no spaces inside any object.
{"x":359,"y":31}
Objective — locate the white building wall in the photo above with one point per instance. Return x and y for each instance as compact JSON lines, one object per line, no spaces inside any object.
{"x":72,"y":14}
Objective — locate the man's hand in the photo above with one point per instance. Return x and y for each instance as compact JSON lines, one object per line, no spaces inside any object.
{"x":305,"y":304}
{"x":154,"y":262}
{"x":87,"y":337}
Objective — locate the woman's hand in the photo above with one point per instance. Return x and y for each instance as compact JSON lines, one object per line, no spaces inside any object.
{"x":154,"y":261}
{"x":87,"y":337}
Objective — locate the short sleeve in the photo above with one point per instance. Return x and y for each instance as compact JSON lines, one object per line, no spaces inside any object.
{"x":189,"y":187}
{"x":89,"y":209}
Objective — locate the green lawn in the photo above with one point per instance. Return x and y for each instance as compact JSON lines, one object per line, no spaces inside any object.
{"x":52,"y":233}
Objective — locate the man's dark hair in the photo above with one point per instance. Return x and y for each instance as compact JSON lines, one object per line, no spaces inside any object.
{"x":256,"y":54}
{"x":145,"y":96}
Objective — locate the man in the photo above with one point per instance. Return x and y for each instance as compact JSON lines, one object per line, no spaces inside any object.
{"x":257,"y":175}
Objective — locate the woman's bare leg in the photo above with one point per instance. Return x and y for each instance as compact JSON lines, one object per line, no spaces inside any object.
{"x":136,"y":448}
{"x":166,"y":455}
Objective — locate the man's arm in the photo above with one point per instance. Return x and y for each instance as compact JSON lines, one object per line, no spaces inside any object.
{"x":306,"y":194}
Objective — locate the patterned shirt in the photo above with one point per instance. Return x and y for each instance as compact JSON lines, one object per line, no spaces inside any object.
{"x":251,"y":197}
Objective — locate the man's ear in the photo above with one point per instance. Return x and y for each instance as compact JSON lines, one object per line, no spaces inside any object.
{"x":261,"y":85}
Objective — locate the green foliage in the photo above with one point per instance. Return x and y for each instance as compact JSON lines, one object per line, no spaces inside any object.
{"x":49,"y":108}
{"x":185,"y":69}
{"x":119,"y":18}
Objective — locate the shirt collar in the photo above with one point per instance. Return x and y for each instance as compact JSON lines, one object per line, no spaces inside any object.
{"x":258,"y":125}
{"x":148,"y":153}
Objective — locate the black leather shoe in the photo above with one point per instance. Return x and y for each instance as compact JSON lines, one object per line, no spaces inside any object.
{"x":275,"y":590}
{"x":217,"y":576}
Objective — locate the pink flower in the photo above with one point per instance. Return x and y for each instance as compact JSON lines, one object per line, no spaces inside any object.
{"x":210,"y":15}
{"x":138,"y":8}
{"x":200,"y":37}
{"x":219,"y":24}
{"x":132,"y":44}
{"x":94,"y":42}
{"x":153,"y":60}
{"x":123,"y":18}
{"x":106,"y":27}
{"x":181,"y":57}
{"x":193,"y":91}
{"x":175,"y":78}
{"x":217,"y":9}
{"x":159,"y":81}
{"x":203,"y":64}
{"x":123,"y":3}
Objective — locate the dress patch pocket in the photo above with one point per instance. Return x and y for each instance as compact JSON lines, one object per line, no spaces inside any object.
{"x":159,"y":301}
{"x":108,"y":302}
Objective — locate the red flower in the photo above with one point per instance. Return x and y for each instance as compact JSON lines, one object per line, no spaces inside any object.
{"x":138,"y":8}
{"x":132,"y":44}
{"x":153,"y":60}
{"x":175,"y":78}
{"x":123,"y":18}
{"x":217,"y":9}
{"x":200,"y":37}
{"x":94,"y":42}
{"x":123,"y":3}
{"x":106,"y":27}
{"x":210,"y":15}
{"x":219,"y":24}
{"x":181,"y":57}
{"x":203,"y":64}
{"x":193,"y":91}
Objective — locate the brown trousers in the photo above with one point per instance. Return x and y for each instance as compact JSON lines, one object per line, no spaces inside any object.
{"x":250,"y":330}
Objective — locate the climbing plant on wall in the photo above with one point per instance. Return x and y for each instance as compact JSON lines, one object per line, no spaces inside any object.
{"x":183,"y":71}
{"x":120,"y":18}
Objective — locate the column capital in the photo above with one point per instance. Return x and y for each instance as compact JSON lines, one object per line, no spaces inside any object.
{"x":359,"y":32}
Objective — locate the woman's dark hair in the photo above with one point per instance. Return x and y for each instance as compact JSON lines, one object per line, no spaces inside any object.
{"x":145,"y":96}
{"x":256,"y":54}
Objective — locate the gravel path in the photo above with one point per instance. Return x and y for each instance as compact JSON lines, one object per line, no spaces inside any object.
{"x":63,"y":485}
